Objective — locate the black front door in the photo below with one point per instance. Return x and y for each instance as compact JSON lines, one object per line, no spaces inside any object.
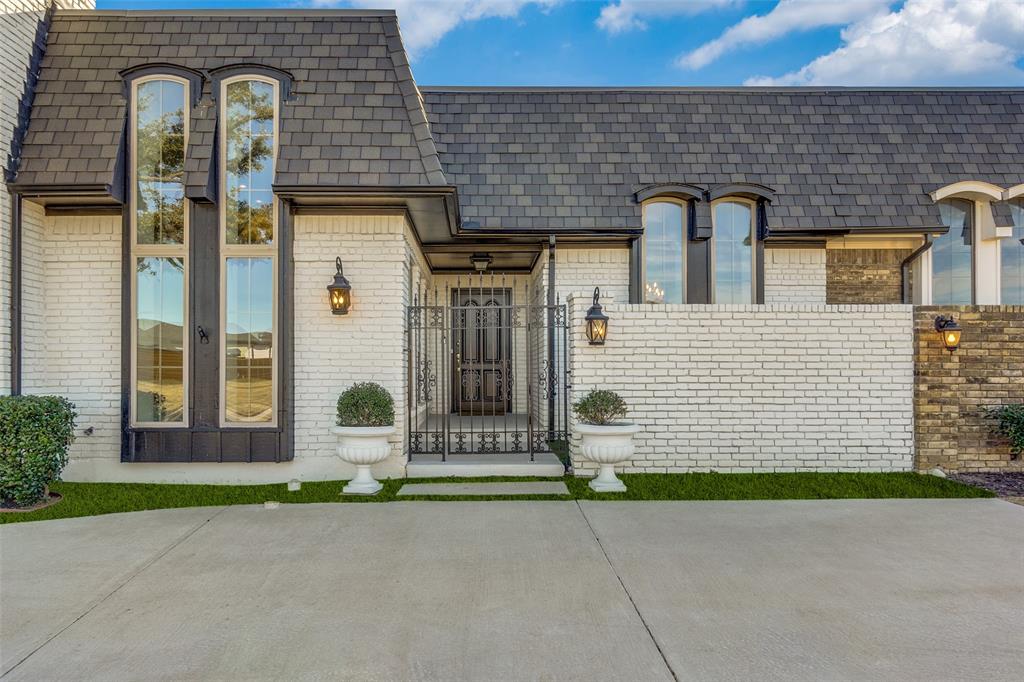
{"x":481,"y":359}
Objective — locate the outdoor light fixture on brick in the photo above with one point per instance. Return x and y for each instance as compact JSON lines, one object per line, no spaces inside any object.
{"x":597,"y":321}
{"x":949,"y":330}
{"x":339,"y":291}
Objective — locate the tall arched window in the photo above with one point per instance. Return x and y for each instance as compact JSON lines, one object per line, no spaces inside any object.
{"x":159,"y":251}
{"x":953,"y":255}
{"x":248,"y":221}
{"x":664,"y":252}
{"x":733,"y":251}
{"x":1012,"y":259}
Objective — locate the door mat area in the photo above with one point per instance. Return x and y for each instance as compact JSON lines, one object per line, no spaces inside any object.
{"x":485,"y":489}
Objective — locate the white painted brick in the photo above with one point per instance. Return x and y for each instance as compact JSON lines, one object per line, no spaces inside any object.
{"x":19,"y":23}
{"x":794,"y":276}
{"x":779,"y":387}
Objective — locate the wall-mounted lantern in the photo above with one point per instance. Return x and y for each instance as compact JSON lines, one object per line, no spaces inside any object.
{"x":949,"y":330}
{"x":597,"y":321}
{"x":339,"y":291}
{"x":481,"y":261}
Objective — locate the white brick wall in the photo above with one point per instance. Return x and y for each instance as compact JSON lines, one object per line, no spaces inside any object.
{"x":72,"y":323}
{"x":19,"y":23}
{"x":794,"y":275}
{"x":580,"y":270}
{"x":757,"y":388}
{"x":332,"y":351}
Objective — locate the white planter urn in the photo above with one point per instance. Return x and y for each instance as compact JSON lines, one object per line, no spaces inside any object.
{"x":363,"y":446}
{"x":607,"y":445}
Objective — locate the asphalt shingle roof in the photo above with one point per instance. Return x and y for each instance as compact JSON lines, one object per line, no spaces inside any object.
{"x":355,"y":119}
{"x":836,"y":159}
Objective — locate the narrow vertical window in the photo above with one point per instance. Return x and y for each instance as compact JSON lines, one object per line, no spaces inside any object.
{"x":1012,"y":257}
{"x":159,"y":226}
{"x":952,"y":255}
{"x":664,"y":253}
{"x":733,"y":252}
{"x":248,"y":252}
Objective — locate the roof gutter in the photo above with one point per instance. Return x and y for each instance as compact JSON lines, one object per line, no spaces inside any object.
{"x":447,"y":193}
{"x":908,"y":261}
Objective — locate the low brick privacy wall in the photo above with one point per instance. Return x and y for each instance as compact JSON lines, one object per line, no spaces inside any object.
{"x":952,"y":390}
{"x":738,"y":388}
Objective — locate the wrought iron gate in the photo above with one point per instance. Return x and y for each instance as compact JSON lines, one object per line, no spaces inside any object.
{"x":488,"y":372}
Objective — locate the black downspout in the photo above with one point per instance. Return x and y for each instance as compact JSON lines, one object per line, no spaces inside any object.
{"x":15,"y":294}
{"x":551,"y":338}
{"x":635,"y":286}
{"x":905,"y":267}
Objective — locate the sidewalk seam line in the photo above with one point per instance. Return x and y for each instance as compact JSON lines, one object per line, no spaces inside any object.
{"x":628,"y":595}
{"x":116,"y":589}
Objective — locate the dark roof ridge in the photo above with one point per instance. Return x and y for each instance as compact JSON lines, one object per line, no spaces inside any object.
{"x":257,"y":12}
{"x":708,"y":88}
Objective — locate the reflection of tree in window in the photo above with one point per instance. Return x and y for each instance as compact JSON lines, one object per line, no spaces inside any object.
{"x":249,"y":162}
{"x":160,"y":162}
{"x":158,"y":248}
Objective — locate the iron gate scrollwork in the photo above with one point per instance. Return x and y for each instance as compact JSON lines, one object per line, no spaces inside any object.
{"x":488,"y":373}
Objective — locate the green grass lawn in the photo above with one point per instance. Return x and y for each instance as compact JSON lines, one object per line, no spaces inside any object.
{"x":88,"y":499}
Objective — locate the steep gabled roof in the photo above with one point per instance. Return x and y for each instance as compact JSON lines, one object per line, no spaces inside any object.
{"x":836,"y":159}
{"x":355,"y":117}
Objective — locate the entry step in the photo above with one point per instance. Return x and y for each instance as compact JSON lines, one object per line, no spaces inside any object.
{"x":484,"y":489}
{"x":472,"y":466}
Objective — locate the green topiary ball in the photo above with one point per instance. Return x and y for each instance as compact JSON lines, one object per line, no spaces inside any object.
{"x":366,"y":404}
{"x":600,"y":408}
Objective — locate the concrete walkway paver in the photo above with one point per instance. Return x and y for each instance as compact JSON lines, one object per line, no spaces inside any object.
{"x":453,"y":591}
{"x":52,"y":572}
{"x":860,"y":589}
{"x":830,"y":590}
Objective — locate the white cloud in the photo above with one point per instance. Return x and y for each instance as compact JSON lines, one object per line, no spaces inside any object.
{"x":425,"y":22}
{"x":925,"y":42}
{"x":631,"y":15}
{"x":786,"y":17}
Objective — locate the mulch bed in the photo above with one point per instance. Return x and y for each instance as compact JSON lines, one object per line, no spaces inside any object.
{"x":51,"y":499}
{"x":1010,"y":484}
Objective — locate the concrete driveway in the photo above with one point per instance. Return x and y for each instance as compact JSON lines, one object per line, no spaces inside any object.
{"x":864,"y":589}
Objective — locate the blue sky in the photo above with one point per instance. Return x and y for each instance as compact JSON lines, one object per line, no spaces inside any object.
{"x":696,"y":42}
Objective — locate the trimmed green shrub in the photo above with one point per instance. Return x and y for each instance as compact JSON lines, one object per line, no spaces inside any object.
{"x":600,"y":408}
{"x":366,"y":404}
{"x":1010,"y":423}
{"x":35,"y":433}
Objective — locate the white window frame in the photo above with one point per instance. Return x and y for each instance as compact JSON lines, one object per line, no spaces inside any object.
{"x":247,"y":250}
{"x":712,"y":270}
{"x":156,"y":251}
{"x":684,"y":206}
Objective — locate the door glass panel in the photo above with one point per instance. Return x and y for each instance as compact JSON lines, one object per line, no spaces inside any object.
{"x":249,"y":163}
{"x":1012,"y":289}
{"x":159,"y":322}
{"x":733,"y":235}
{"x":160,"y":162}
{"x":664,"y":253}
{"x":952,"y":259}
{"x":249,"y":340}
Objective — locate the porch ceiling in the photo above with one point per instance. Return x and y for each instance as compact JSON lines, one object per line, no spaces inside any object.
{"x":457,"y":258}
